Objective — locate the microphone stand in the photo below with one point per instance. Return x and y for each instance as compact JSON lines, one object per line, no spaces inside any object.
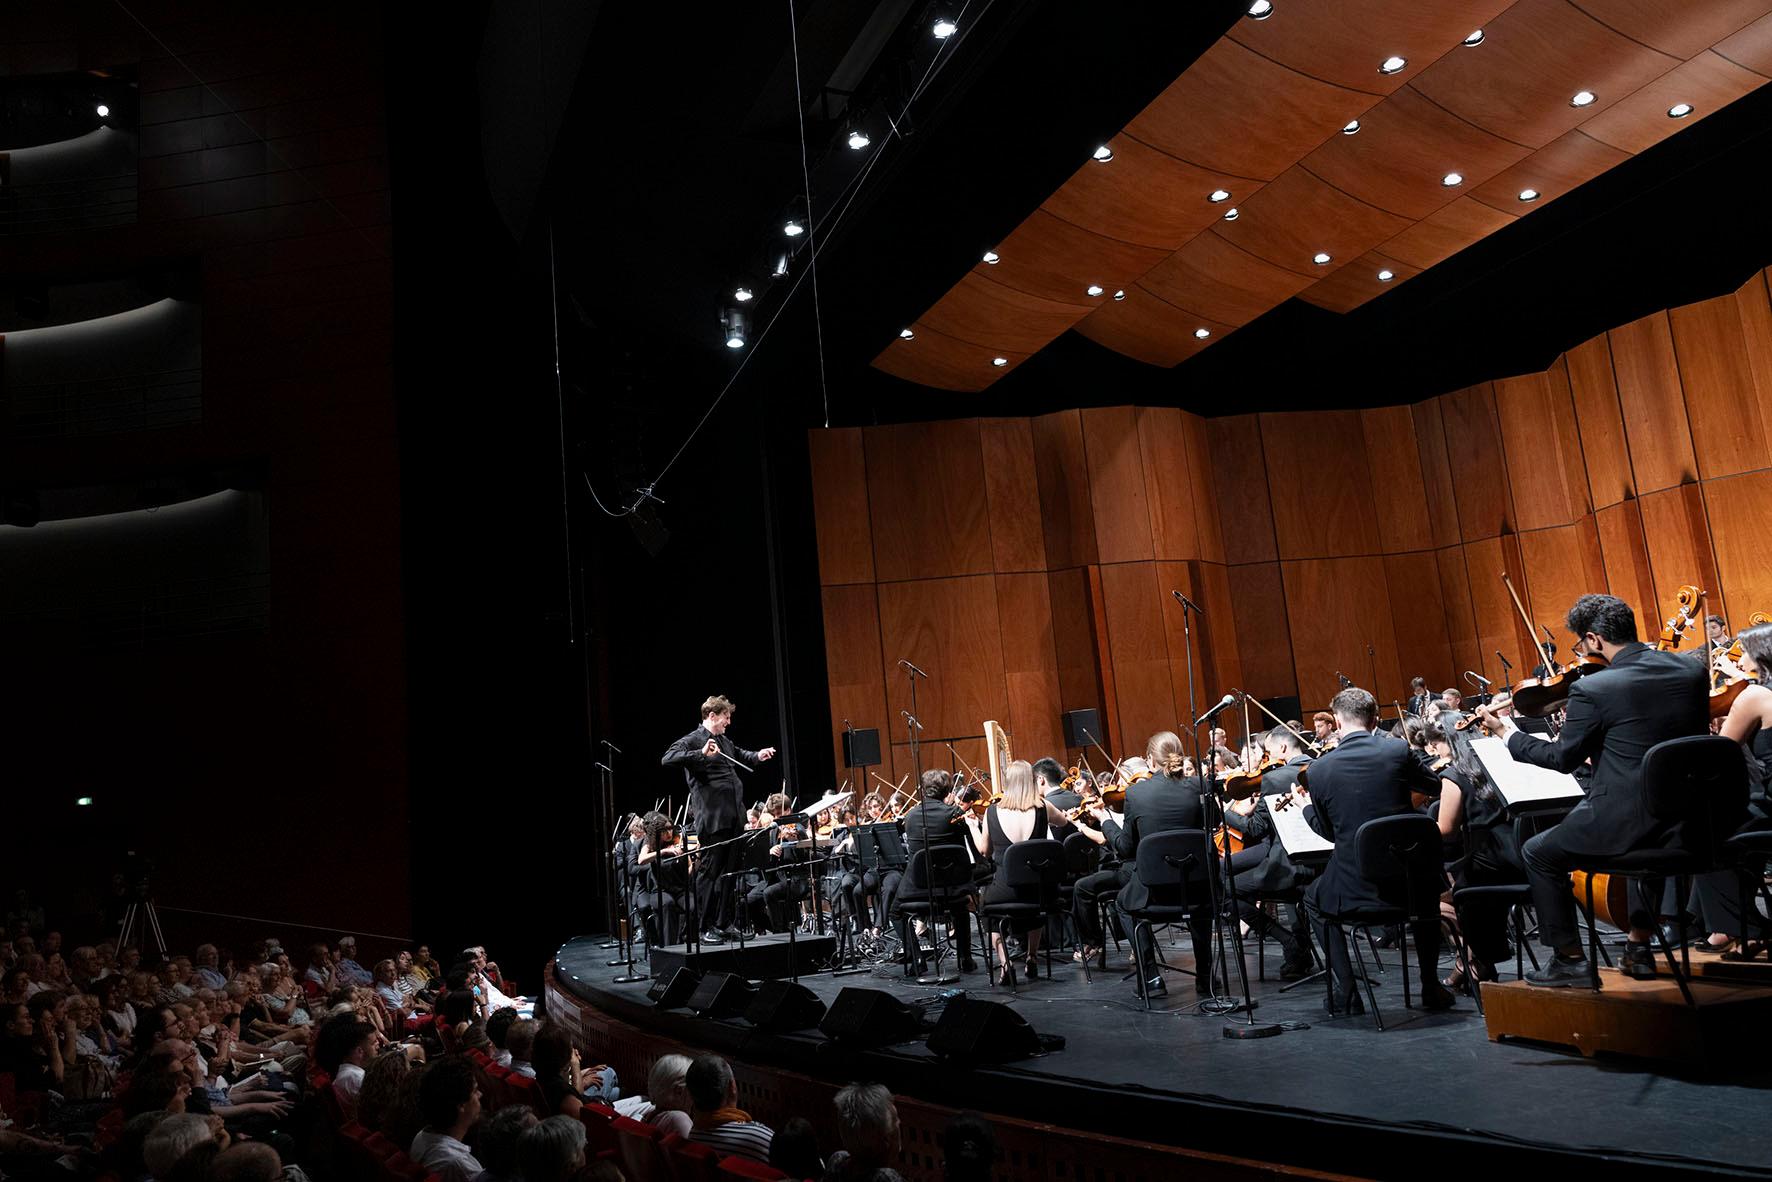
{"x":1507,"y":669}
{"x":606,"y":798}
{"x":912,"y":672}
{"x":1248,"y":1027}
{"x":627,"y":925}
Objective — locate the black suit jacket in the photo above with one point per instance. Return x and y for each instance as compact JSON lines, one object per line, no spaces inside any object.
{"x":1064,"y":800}
{"x":1365,"y":777}
{"x":1614,"y":717}
{"x":1152,"y":806}
{"x":1276,"y":872}
{"x":716,"y":795}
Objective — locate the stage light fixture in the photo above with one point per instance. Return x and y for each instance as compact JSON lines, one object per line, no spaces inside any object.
{"x":1120,"y":295}
{"x":992,"y":258}
{"x":1103,"y":154}
{"x":1261,"y":9}
{"x":1095,"y":289}
{"x":781,"y":268}
{"x":999,"y":362}
{"x":733,"y":321}
{"x":905,"y":334}
{"x":1528,"y":194}
{"x":742,"y":295}
{"x":1218,"y":195}
{"x":1386,"y":275}
{"x":1452,"y":180}
{"x":1393,"y":65}
{"x":1582,"y":98}
{"x":1232,"y":214}
{"x":858,"y":139}
{"x":1201,"y":334}
{"x":793,"y":227}
{"x":1679,"y":110}
{"x":1475,"y":39}
{"x":944,"y":28}
{"x":1350,"y":127}
{"x":1321,"y":257}
{"x":83,"y":801}
{"x":103,"y":111}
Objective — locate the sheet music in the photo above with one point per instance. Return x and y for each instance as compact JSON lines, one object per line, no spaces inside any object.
{"x":1523,"y":783}
{"x":1295,"y":833}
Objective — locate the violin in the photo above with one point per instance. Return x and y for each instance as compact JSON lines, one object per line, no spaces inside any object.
{"x":1237,"y":785}
{"x":1722,"y":697}
{"x":1536,"y":697}
{"x":975,"y":808}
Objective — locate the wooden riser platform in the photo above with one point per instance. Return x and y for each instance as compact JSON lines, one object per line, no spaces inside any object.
{"x":1745,"y":972}
{"x":1731,"y":1024}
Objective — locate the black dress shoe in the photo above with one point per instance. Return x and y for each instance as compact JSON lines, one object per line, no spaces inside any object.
{"x":1155,"y":987}
{"x":1350,"y":1006}
{"x":1297,"y":966}
{"x":712,"y":937}
{"x":968,"y":965}
{"x":1637,"y":961}
{"x":1559,"y":973}
{"x":1435,"y":996}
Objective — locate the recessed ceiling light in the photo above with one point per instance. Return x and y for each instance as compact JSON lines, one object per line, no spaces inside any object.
{"x":1232,"y":214}
{"x":792,"y":228}
{"x":735,"y":340}
{"x":1321,"y":257}
{"x":1528,"y":194}
{"x":1392,"y":64}
{"x":992,"y":257}
{"x":1475,"y":39}
{"x":1103,"y":154}
{"x":742,"y":295}
{"x":83,"y":801}
{"x":858,"y":139}
{"x":1386,"y":275}
{"x":1218,"y":195}
{"x":1261,"y":9}
{"x":1120,"y":295}
{"x":905,"y":334}
{"x":999,"y":362}
{"x":1452,"y":180}
{"x":103,"y":110}
{"x":943,"y":28}
{"x":1350,"y":127}
{"x":1201,"y":334}
{"x":1096,"y":289}
{"x":1582,"y":98}
{"x":1677,"y":111}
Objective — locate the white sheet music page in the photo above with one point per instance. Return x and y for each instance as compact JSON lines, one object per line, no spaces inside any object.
{"x":1523,"y":783}
{"x":1296,"y":834}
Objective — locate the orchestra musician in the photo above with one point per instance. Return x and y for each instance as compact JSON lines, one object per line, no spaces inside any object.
{"x":1049,"y":779}
{"x":1418,"y":696}
{"x":661,"y":904}
{"x":1472,"y":811}
{"x":1323,"y":729}
{"x":1749,"y":722}
{"x":1613,"y":717}
{"x":768,"y":903}
{"x":1262,"y":866}
{"x":1364,"y":778}
{"x":716,"y":804}
{"x":1019,"y":814}
{"x":933,"y":823}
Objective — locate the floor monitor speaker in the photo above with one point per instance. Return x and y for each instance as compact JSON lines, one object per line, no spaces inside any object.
{"x":871,"y":1017}
{"x":784,"y":1005}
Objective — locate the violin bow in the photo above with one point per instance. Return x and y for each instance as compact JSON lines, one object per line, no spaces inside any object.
{"x":1526,"y":620}
{"x":970,"y":770}
{"x":1310,"y":744}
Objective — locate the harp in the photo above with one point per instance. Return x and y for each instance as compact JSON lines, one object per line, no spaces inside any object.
{"x":997,"y":754}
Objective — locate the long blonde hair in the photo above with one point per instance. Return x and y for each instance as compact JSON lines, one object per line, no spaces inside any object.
{"x":1163,"y":753}
{"x":1020,"y":792}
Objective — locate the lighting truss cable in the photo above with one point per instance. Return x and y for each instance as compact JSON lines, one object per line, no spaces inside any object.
{"x":811,"y":220}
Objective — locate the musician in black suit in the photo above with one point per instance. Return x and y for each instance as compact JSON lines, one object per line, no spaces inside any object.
{"x":1162,"y":802}
{"x":710,"y":763}
{"x":1263,"y":865}
{"x":1614,"y":716}
{"x":1049,"y":777}
{"x":1365,"y":777}
{"x":1418,"y":697}
{"x":931,"y":824}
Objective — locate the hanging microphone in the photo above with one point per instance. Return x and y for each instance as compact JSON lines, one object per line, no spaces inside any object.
{"x":1188,"y":603}
{"x":916,"y":672}
{"x":911,"y":718}
{"x":1222,"y":703}
{"x":611,"y":746}
{"x":1346,"y":681}
{"x":1474,"y":678}
{"x":1505,"y":663}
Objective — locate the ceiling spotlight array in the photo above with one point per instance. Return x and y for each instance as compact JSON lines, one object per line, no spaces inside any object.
{"x":1261,"y":9}
{"x":1095,"y":289}
{"x":1392,"y":65}
{"x":734,"y":324}
{"x":793,"y":227}
{"x":992,"y":257}
{"x":1582,"y":98}
{"x":1452,"y":180}
{"x":102,"y":110}
{"x":1528,"y":194}
{"x":1386,"y":275}
{"x":1201,"y":334}
{"x":943,"y":28}
{"x":1120,"y":295}
{"x":1321,"y":258}
{"x":1475,"y":39}
{"x":1218,"y":195}
{"x":1679,"y":110}
{"x":1103,"y":154}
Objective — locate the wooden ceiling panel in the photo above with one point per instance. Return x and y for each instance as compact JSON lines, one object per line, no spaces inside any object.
{"x":1405,"y":148}
{"x":944,"y":362}
{"x":1562,"y":166}
{"x":1535,"y":57}
{"x":1682,"y":29}
{"x":1707,"y":83}
{"x":1055,"y":259}
{"x":1344,"y":42}
{"x":1146,"y":327}
{"x":1143,"y":196}
{"x":1446,"y":233}
{"x":1293,"y":218}
{"x":1215,"y":279}
{"x":1247,"y":114}
{"x":1354,"y":284}
{"x":986,"y":313}
{"x":1752,"y":47}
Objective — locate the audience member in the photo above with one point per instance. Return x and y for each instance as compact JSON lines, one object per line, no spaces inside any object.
{"x":343,"y":1051}
{"x":519,"y":1045}
{"x":497,"y":1146}
{"x":176,"y":1136}
{"x":968,"y":1149}
{"x":497,"y":1028}
{"x":449,"y":1103}
{"x":718,"y":1120}
{"x":794,"y":1149}
{"x":345,"y":969}
{"x":565,"y":1085}
{"x":553,"y":1150}
{"x":867,"y":1124}
{"x":379,"y":1093}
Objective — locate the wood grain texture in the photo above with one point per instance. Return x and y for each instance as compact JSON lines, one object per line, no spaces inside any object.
{"x":1138,"y":645}
{"x":1030,"y":662}
{"x":1147,"y":327}
{"x":1326,"y":41}
{"x":1594,"y":391}
{"x":1753,"y":304}
{"x":1348,"y":287}
{"x":1560,"y":167}
{"x":1418,"y":619}
{"x":1751,"y":47}
{"x":1539,"y":437}
{"x":1723,"y":388}
{"x":840,"y":505}
{"x":1393,"y":462}
{"x":1436,"y":471}
{"x":1740,"y":512}
{"x":1479,"y":473}
{"x":1239,"y":470}
{"x":949,"y":628}
{"x":1264,"y":637}
{"x":1054,"y":259}
{"x":1117,"y":484}
{"x":1215,"y":632}
{"x":1073,"y":639}
{"x":1445,"y":232}
{"x":853,"y":667}
{"x":1626,"y":555}
{"x":1143,"y":196}
{"x":1557,"y":574}
{"x":1677,"y":29}
{"x":1678,"y":536}
{"x":1018,"y":541}
{"x":985,"y":312}
{"x":1336,"y":607}
{"x":1650,"y":398}
{"x":1065,"y":510}
{"x":1205,"y":494}
{"x":1299,"y":214}
{"x":1456,"y":603}
{"x":944,"y":362}
{"x":1498,"y":622}
{"x":1169,"y":488}
{"x":1709,"y":82}
{"x":1212,"y":277}
{"x":926,"y":500}
{"x":1319,"y":484}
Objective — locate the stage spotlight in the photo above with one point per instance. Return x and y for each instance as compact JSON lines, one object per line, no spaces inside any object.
{"x":1103,"y":154}
{"x":1393,"y":64}
{"x":1321,"y":257}
{"x":1582,"y":98}
{"x":999,"y":362}
{"x":992,"y":257}
{"x":1201,"y":334}
{"x":103,"y":111}
{"x":1218,"y":195}
{"x":1475,"y":39}
{"x":1679,"y":110}
{"x":1452,"y":180}
{"x":944,"y":28}
{"x":1350,"y":127}
{"x":1386,"y":275}
{"x":1095,"y":289}
{"x":905,"y":334}
{"x":858,"y":139}
{"x":733,"y":321}
{"x":1232,"y":214}
{"x":742,"y":295}
{"x":1528,"y":194}
{"x":1261,"y":9}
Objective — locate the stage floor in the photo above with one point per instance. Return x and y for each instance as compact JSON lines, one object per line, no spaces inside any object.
{"x":1322,"y":1094}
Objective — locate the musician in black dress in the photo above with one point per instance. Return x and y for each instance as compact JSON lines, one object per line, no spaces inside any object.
{"x":661,"y":903}
{"x":710,"y":763}
{"x":769,"y":902}
{"x":1473,"y":815}
{"x":933,"y":824}
{"x":1262,"y":865}
{"x":1019,"y":814}
{"x":1748,"y":722}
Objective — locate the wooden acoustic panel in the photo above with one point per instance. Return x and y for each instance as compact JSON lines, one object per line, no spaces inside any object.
{"x":949,"y":628}
{"x":945,"y":362}
{"x":840,"y":505}
{"x":1215,"y":634}
{"x":1740,"y":512}
{"x":1074,"y":640}
{"x":1344,"y":43}
{"x":1593,"y":390}
{"x":1560,"y":167}
{"x":1149,"y":328}
{"x":1499,"y":627}
{"x":1456,"y":606}
{"x":924,"y":526}
{"x":1336,"y":607}
{"x":1680,"y":30}
{"x":1169,"y":488}
{"x":1436,"y":471}
{"x":1626,"y":555}
{"x":1318,"y":484}
{"x":1012,"y":490}
{"x":1117,"y":485}
{"x":1065,"y":509}
{"x":1030,"y":663}
{"x":1708,"y":83}
{"x":853,"y":668}
{"x":1446,"y":232}
{"x":1143,"y":195}
{"x":1727,"y":384}
{"x":1205,"y":494}
{"x":1139,"y":649}
{"x":984,"y":312}
{"x":1751,"y":47}
{"x":1300,"y":214}
{"x":1654,"y":408}
{"x":1557,"y":574}
{"x":1239,"y":470}
{"x":1264,"y":636}
{"x":1346,"y":288}
{"x":1205,"y":116}
{"x":1055,"y":259}
{"x":1479,"y":472}
{"x":1537,"y":54}
{"x":1678,"y":537}
{"x":1212,"y":277}
{"x":1393,"y":464}
{"x":1543,"y":448}
{"x":1418,"y":620}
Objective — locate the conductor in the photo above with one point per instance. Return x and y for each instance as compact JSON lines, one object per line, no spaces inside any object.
{"x":710,"y":763}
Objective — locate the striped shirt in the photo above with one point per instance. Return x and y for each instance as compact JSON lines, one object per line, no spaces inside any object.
{"x":744,"y":1138}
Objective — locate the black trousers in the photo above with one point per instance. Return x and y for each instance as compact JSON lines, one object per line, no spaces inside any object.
{"x":1549,"y":858}
{"x":1425,"y":936}
{"x":662,"y":915}
{"x":1086,"y":895}
{"x":882,"y":887}
{"x":713,"y":891}
{"x":1483,"y":924}
{"x":771,"y":904}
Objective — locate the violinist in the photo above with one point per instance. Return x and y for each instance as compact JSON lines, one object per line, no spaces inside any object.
{"x":1323,"y":729}
{"x":934,"y":823}
{"x":1418,"y":696}
{"x":1749,"y":722}
{"x":1262,"y":866}
{"x":1049,"y":778}
{"x":661,"y":904}
{"x":769,"y":900}
{"x":1472,"y":811}
{"x":1613,"y":717}
{"x":1019,"y":814}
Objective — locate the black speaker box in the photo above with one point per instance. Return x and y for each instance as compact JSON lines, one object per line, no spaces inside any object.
{"x":784,"y":1005}
{"x":985,"y":1032}
{"x":722,"y":995}
{"x":1082,"y":728}
{"x":673,"y":992}
{"x":871,"y":1017}
{"x":861,"y":748}
{"x":1288,"y":709}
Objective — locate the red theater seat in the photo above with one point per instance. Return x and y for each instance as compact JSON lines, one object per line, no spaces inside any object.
{"x":691,"y":1162}
{"x":599,"y":1122}
{"x":642,"y":1153}
{"x":734,"y":1167}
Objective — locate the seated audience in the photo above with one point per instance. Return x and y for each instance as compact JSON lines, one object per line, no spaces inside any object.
{"x":968,"y":1149}
{"x":379,"y":1094}
{"x":565,"y":1085}
{"x":794,"y":1149}
{"x":176,"y":1136}
{"x":498,"y":1028}
{"x":343,"y":1051}
{"x":497,"y":1145}
{"x":552,"y":1151}
{"x":449,"y":1103}
{"x":867,"y":1124}
{"x":345,"y":969}
{"x":718,"y":1120}
{"x":519,"y":1045}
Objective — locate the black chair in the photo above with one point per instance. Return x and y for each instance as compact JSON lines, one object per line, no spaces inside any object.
{"x":1700,"y":783}
{"x":935,"y":877}
{"x":1176,"y":867}
{"x":1029,"y":866}
{"x":1748,"y":853}
{"x":1516,"y":897}
{"x":1082,"y":858}
{"x":1404,"y":848}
